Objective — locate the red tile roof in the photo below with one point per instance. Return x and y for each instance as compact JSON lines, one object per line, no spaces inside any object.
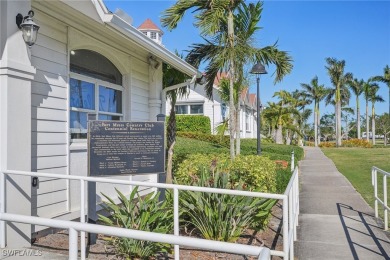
{"x":220,"y":75}
{"x":149,"y":25}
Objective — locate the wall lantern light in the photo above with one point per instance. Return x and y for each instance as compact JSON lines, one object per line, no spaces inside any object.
{"x":28,"y":27}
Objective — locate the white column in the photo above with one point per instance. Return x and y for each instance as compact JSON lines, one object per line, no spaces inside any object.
{"x":16,"y":74}
{"x":155,"y":88}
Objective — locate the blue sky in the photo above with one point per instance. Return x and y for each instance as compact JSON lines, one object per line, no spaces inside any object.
{"x":355,"y":31}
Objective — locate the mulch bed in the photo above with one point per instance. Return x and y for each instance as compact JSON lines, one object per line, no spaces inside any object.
{"x":271,"y":238}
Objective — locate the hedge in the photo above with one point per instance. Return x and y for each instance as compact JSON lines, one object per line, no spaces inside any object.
{"x":193,"y":123}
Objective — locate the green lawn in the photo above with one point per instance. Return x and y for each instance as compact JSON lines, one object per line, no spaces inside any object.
{"x":356,"y":163}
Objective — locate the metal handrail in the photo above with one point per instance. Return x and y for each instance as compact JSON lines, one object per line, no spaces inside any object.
{"x":374,"y":181}
{"x":290,"y":200}
{"x":262,"y":252}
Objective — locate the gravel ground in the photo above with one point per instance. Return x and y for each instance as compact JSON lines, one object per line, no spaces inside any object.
{"x":271,"y":238}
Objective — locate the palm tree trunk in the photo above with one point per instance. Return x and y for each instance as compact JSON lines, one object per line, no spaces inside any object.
{"x":373,"y":122}
{"x":238,"y":130}
{"x":231,"y":88}
{"x":279,"y":134}
{"x":358,"y":117}
{"x":171,"y":133}
{"x":315,"y":125}
{"x":318,"y":123}
{"x":338,"y":120}
{"x":367,"y":123}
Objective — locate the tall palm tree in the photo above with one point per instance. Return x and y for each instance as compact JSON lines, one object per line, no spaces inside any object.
{"x":339,"y":79}
{"x":210,"y":18}
{"x":316,"y":93}
{"x":374,"y":98}
{"x":367,"y":86}
{"x":385,"y":79}
{"x":227,"y":27}
{"x":357,"y":88}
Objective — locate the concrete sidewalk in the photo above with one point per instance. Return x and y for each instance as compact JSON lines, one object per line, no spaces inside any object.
{"x":335,"y":222}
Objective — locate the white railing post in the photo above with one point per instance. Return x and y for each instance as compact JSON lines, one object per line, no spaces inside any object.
{"x":285,"y":228}
{"x":176,"y":220}
{"x":82,"y":219}
{"x":73,"y":244}
{"x":295,"y":208}
{"x":292,"y":161}
{"x":376,"y":193}
{"x":385,"y":201}
{"x":290,"y":222}
{"x":2,"y":209}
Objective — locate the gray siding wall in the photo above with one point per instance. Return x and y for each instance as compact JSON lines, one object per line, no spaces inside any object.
{"x":49,"y":116}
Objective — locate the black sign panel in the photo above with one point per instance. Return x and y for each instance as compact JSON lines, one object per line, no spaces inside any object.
{"x":117,"y":147}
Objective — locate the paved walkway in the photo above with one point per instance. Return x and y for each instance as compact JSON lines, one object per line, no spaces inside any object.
{"x":335,"y":222}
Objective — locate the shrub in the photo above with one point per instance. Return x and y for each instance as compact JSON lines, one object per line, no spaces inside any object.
{"x":282,"y":179}
{"x":257,"y":172}
{"x":190,"y":169}
{"x":218,"y":216}
{"x":139,"y":213}
{"x":327,"y":144}
{"x":193,"y":123}
{"x":215,"y":139}
{"x":357,"y":143}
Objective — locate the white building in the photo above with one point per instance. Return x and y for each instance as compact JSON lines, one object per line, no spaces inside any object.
{"x":85,"y":60}
{"x":197,"y":103}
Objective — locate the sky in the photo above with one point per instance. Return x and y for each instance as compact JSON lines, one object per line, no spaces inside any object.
{"x":310,"y":31}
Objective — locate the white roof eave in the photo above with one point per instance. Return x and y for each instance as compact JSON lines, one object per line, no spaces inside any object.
{"x":154,"y":48}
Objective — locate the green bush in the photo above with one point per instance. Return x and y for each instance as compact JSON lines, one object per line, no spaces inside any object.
{"x":257,"y":172}
{"x":188,"y":172}
{"x":193,"y":123}
{"x":218,"y":216}
{"x":215,"y":139}
{"x":135,"y":212}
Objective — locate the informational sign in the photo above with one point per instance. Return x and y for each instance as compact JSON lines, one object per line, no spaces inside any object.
{"x":117,"y":147}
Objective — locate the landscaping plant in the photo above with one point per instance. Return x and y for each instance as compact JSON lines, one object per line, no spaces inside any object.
{"x":221,"y":217}
{"x":140,"y":213}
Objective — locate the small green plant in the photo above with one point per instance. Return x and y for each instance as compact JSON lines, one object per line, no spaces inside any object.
{"x":140,"y":213}
{"x":221,"y":217}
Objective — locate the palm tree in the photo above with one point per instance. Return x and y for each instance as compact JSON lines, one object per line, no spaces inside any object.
{"x":316,"y":93}
{"x":357,"y":88}
{"x":367,"y":86}
{"x":171,"y":76}
{"x":224,"y":50}
{"x":374,"y":98}
{"x":339,"y":80}
{"x":210,"y":23}
{"x":385,"y":79}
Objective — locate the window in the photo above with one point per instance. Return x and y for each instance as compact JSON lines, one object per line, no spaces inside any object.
{"x":196,"y":109}
{"x":223,"y":111}
{"x":247,"y":128}
{"x":189,"y":109}
{"x":153,"y":35}
{"x":95,"y":87}
{"x":181,"y":109}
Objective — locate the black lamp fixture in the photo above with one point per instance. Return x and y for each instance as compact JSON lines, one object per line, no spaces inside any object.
{"x":28,"y":27}
{"x":258,"y":69}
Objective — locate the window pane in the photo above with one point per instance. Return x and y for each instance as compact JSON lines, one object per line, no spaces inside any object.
{"x":78,"y":125}
{"x":196,"y":109}
{"x":108,"y":117}
{"x":110,"y":100}
{"x":182,"y":109}
{"x":82,"y":94}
